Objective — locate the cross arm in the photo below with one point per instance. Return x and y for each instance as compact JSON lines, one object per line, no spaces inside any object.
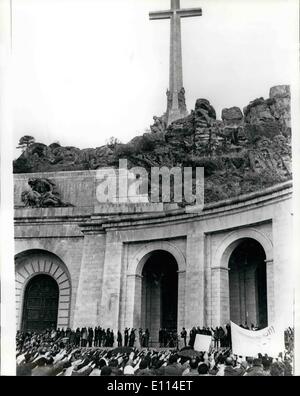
{"x":189,"y":12}
{"x":160,"y":14}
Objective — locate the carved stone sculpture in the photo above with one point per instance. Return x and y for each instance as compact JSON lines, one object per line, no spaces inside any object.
{"x":159,"y":125}
{"x":43,"y":194}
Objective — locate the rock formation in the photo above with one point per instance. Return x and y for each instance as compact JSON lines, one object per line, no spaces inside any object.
{"x":269,"y":117}
{"x":233,"y":124}
{"x":160,"y":124}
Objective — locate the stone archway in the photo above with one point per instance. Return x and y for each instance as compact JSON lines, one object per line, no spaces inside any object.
{"x":248,"y":284}
{"x":134,"y":281}
{"x":40,"y":307}
{"x":159,"y":296}
{"x":31,"y":263}
{"x":220,"y":273}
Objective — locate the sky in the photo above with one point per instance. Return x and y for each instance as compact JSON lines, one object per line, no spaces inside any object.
{"x":86,"y":70}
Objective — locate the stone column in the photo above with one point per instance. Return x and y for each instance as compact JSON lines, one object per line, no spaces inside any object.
{"x":194,"y":291}
{"x":133,"y":300}
{"x":110,"y":300}
{"x":181,"y":300}
{"x":137,"y":308}
{"x":88,"y":299}
{"x":270,"y":290}
{"x":283,"y":280}
{"x":220,"y":296}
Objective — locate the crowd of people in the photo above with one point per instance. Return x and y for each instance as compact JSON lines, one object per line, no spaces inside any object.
{"x":100,"y":337}
{"x":93,"y":337}
{"x":221,"y":337}
{"x":55,"y":353}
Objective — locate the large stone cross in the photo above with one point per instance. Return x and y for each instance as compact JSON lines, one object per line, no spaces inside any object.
{"x":176,"y":107}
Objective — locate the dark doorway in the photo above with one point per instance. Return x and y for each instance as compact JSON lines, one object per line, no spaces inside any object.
{"x":248,"y":284}
{"x":40,"y":304}
{"x":159,"y":293}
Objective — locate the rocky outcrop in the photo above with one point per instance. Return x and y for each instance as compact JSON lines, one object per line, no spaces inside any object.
{"x":159,"y":125}
{"x":195,"y":132}
{"x":41,"y":158}
{"x":269,"y":117}
{"x":281,"y":107}
{"x":233,"y":124}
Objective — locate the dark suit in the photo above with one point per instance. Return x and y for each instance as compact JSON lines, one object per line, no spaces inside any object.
{"x":126,"y":337}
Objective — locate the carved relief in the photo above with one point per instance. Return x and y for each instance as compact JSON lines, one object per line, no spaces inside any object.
{"x":42,"y":194}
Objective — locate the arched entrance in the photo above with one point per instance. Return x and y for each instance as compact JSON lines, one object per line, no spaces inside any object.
{"x":248,"y":284}
{"x":159,"y":293}
{"x":40,"y":306}
{"x":36,"y":270}
{"x":153,"y":254}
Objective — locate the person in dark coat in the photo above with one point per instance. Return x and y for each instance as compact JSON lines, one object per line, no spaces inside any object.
{"x":77,"y":337}
{"x":222,"y":337}
{"x":126,"y":336}
{"x":217,"y":336}
{"x":161,"y":338}
{"x":84,"y":337}
{"x":119,"y":338}
{"x":68,"y":332}
{"x":192,"y":337}
{"x":228,"y":330}
{"x":257,"y":370}
{"x":140,"y":336}
{"x":183,"y":335}
{"x":165,"y":338}
{"x":96,"y":336}
{"x":132,"y":338}
{"x":147,"y":336}
{"x":112,"y":338}
{"x":107,"y":337}
{"x":143,"y":369}
{"x":103,"y":338}
{"x":90,"y":337}
{"x":230,"y":371}
{"x":143,"y":340}
{"x":173,"y":368}
{"x":72,"y":338}
{"x":99,"y":336}
{"x":57,"y":334}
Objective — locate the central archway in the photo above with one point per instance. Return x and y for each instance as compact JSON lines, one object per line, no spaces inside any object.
{"x":133,"y":316}
{"x":248,"y":284}
{"x":159,"y":294}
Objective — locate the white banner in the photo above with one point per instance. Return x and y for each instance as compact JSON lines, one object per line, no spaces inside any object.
{"x":202,"y":343}
{"x":269,"y":340}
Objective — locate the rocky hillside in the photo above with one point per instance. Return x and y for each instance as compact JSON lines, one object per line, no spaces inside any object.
{"x":244,"y":152}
